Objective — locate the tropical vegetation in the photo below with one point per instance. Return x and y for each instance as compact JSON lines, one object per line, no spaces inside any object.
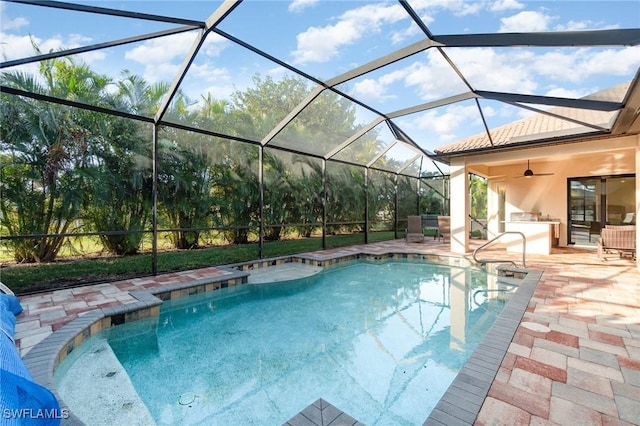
{"x":69,"y":175}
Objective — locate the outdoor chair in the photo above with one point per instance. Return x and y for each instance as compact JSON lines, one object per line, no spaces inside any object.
{"x":629,"y":219}
{"x":444,"y":227}
{"x":414,"y":229}
{"x":594,"y":229}
{"x":617,"y":239}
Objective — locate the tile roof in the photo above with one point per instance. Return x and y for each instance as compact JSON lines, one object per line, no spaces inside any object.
{"x":540,"y":126}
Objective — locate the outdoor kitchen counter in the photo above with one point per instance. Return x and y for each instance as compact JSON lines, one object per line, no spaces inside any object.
{"x":540,"y":235}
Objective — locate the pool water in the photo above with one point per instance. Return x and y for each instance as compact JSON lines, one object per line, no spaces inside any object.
{"x":380,"y":341}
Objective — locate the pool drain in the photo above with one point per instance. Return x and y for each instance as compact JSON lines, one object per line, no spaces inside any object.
{"x":187,"y":398}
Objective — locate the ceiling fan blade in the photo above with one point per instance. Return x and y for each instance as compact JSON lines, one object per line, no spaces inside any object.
{"x":533,"y":175}
{"x":529,"y":173}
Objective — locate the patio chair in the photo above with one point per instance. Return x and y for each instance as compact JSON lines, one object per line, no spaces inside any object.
{"x":414,"y":229}
{"x":629,"y":219}
{"x":444,"y":227}
{"x":617,"y":239}
{"x":594,"y":229}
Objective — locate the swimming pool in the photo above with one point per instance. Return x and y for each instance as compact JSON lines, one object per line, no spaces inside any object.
{"x":381,"y":341}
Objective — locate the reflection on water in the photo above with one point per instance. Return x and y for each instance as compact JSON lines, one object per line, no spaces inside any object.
{"x":380,"y":341}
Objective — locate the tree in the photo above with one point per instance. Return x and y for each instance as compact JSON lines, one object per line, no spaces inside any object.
{"x":236,"y":194}
{"x":120,"y":196}
{"x":186,"y":179}
{"x":280,"y":199}
{"x":309,"y":194}
{"x":47,"y":148}
{"x":121,"y":184}
{"x":478,"y":192}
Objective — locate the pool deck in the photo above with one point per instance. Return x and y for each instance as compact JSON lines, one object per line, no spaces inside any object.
{"x":574,"y":358}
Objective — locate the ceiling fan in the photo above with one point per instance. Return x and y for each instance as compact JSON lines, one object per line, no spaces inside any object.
{"x":529,"y":173}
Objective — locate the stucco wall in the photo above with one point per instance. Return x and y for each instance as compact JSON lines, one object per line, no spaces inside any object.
{"x":548,"y":194}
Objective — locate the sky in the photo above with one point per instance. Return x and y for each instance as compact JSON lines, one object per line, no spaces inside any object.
{"x":327,"y":38}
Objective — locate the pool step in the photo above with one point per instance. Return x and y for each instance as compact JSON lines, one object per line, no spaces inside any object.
{"x":88,"y":388}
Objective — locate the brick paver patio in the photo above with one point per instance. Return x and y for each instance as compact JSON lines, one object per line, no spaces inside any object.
{"x":574,"y":359}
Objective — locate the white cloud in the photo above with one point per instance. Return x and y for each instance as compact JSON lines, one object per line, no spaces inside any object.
{"x":162,"y":57}
{"x":205,"y":72}
{"x":447,"y":121}
{"x":161,"y":50}
{"x":320,"y":44}
{"x":487,"y":68}
{"x":584,"y":25}
{"x":611,"y":61}
{"x":561,"y":92}
{"x":217,"y":91}
{"x":371,"y":90}
{"x":160,"y":72}
{"x":579,"y":65}
{"x":9,"y":23}
{"x":526,"y":21}
{"x":18,"y":47}
{"x":15,"y":47}
{"x":429,"y":79}
{"x":399,"y":36}
{"x":502,"y":5}
{"x":574,"y":26}
{"x":298,"y":5}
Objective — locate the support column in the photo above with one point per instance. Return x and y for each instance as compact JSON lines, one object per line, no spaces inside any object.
{"x":459,"y":206}
{"x":395,"y":206}
{"x":261,"y":202}
{"x":154,"y":202}
{"x":637,"y":200}
{"x":324,"y":204}
{"x":366,"y":206}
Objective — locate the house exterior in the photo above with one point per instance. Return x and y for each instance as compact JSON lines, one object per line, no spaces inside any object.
{"x":584,"y":165}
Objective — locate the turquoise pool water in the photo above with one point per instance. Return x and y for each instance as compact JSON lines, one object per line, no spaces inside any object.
{"x":380,"y":341}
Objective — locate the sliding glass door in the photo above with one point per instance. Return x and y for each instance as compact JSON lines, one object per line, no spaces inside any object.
{"x":597,"y":201}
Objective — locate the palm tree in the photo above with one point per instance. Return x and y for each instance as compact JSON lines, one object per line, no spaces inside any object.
{"x":47,"y":151}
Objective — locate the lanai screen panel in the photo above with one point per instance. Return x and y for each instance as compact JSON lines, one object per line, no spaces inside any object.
{"x":418,"y":79}
{"x":231,"y":91}
{"x":396,"y":158}
{"x":555,"y":72}
{"x":367,"y":147}
{"x":323,"y":39}
{"x":208,"y":189}
{"x":540,"y":122}
{"x":189,"y":178}
{"x":414,"y":168}
{"x":328,"y":121}
{"x":292,"y":195}
{"x":433,"y":168}
{"x":407,"y":199}
{"x":345,"y":198}
{"x":28,"y":26}
{"x":439,"y":126}
{"x":190,"y":9}
{"x":434,"y":195}
{"x":67,"y":171}
{"x":381,"y":198}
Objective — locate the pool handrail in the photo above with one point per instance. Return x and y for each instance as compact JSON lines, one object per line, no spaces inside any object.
{"x":485,"y":261}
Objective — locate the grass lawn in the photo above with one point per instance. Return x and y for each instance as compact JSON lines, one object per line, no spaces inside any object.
{"x":64,"y":273}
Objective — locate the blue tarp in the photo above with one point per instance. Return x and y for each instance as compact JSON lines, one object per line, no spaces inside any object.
{"x":22,"y":401}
